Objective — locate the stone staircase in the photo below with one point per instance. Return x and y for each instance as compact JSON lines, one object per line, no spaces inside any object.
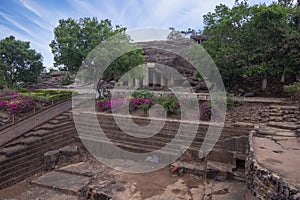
{"x":23,"y":156}
{"x":274,"y":154}
{"x":230,"y":147}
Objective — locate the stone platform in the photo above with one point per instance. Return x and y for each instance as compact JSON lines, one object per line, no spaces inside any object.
{"x":273,"y":161}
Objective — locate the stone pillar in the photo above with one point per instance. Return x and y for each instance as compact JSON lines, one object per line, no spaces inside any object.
{"x":154,"y":77}
{"x":137,"y":83}
{"x":162,"y":81}
{"x":120,"y":83}
{"x":130,"y":83}
{"x":172,"y":81}
{"x":146,"y":76}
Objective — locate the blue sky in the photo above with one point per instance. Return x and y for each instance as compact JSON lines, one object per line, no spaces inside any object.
{"x":34,"y":20}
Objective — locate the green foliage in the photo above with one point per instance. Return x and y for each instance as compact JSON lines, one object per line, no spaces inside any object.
{"x":169,"y":103}
{"x":256,"y":39}
{"x":74,"y":39}
{"x":123,"y":64}
{"x":229,"y":101}
{"x":293,"y":89}
{"x":118,"y":55}
{"x":55,"y":95}
{"x":143,"y":94}
{"x":66,"y":80}
{"x":18,"y":63}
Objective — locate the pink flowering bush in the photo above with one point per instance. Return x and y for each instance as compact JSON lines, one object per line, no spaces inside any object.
{"x":140,"y":104}
{"x":170,"y":103}
{"x":14,"y":102}
{"x":106,"y":104}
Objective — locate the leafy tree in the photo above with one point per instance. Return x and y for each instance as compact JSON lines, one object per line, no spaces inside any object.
{"x":75,"y":39}
{"x":257,"y":39}
{"x":18,"y":63}
{"x":174,"y":34}
{"x":111,"y":59}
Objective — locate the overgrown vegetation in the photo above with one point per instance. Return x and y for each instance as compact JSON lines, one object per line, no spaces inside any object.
{"x":18,"y":63}
{"x":144,"y":100}
{"x":254,"y":40}
{"x":293,"y":89}
{"x":75,"y":39}
{"x":15,"y":102}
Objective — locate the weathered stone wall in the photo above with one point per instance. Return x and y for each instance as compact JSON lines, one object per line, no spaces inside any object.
{"x":52,"y":80}
{"x":230,"y":146}
{"x":265,"y":184}
{"x":24,"y":156}
{"x":280,"y":114}
{"x":174,"y":53}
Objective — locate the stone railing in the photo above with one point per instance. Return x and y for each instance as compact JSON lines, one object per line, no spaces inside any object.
{"x":264,"y":184}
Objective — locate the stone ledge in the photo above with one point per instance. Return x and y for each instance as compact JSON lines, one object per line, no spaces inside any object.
{"x":265,"y":184}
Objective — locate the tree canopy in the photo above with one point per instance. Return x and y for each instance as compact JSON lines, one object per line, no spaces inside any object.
{"x":18,"y":63}
{"x":74,"y":39}
{"x":260,"y":39}
{"x":111,"y":59}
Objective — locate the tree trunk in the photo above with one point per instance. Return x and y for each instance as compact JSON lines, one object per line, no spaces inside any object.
{"x":282,"y":80}
{"x":264,"y":82}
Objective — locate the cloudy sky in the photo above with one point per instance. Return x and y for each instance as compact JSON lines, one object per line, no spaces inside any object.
{"x":34,"y":20}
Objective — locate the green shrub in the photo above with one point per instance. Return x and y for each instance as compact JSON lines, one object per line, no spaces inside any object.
{"x":293,"y":89}
{"x":66,"y":80}
{"x":229,"y":100}
{"x":144,"y":94}
{"x":23,"y":90}
{"x":169,"y":103}
{"x":54,"y":95}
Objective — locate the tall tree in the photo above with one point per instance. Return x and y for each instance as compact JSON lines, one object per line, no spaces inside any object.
{"x":257,"y":39}
{"x":18,"y":63}
{"x":111,"y":60}
{"x":75,"y":39}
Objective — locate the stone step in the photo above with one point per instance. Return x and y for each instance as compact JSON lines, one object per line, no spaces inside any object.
{"x":107,"y":119}
{"x":45,"y":132}
{"x":284,"y":107}
{"x":25,"y":174}
{"x":166,"y":135}
{"x":13,"y":150}
{"x":272,"y":131}
{"x":283,"y":125}
{"x":70,"y":184}
{"x":34,"y":154}
{"x":153,"y":141}
{"x":48,"y":126}
{"x":24,"y":141}
{"x":21,"y":172}
{"x":8,"y":163}
{"x":37,"y":149}
{"x":14,"y":165}
{"x":148,"y":145}
{"x":37,"y":136}
{"x":21,"y":169}
{"x":82,"y":169}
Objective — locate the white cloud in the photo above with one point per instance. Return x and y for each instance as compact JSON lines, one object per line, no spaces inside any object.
{"x":16,"y":24}
{"x":26,"y":5}
{"x":132,"y":14}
